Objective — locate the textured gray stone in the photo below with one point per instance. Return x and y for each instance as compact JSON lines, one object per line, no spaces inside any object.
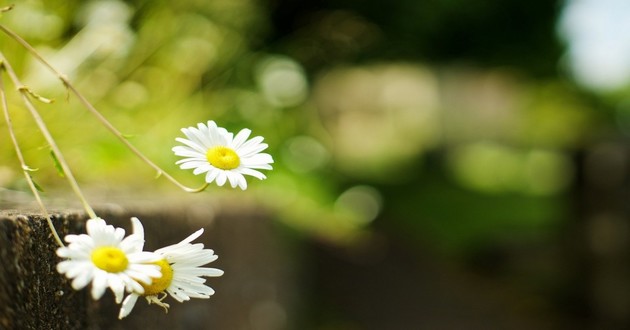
{"x":34,"y":296}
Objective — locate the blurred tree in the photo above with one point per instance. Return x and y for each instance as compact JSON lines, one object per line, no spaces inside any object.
{"x":488,"y":32}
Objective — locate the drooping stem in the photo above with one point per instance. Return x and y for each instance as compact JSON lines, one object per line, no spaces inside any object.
{"x":122,"y":139}
{"x":44,"y":129}
{"x":25,"y":168}
{"x":98,"y":115}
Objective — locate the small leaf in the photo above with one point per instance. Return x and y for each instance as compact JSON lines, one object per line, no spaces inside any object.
{"x":159,"y":174}
{"x":29,"y":169}
{"x":37,"y":186}
{"x":6,"y":9}
{"x":35,"y":95}
{"x":57,"y":164}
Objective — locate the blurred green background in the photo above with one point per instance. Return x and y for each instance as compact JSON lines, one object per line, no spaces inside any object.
{"x":444,"y":162}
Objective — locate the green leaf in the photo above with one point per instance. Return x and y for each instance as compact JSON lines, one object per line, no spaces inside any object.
{"x":35,"y":95}
{"x":29,"y":169}
{"x":6,"y":9}
{"x":57,"y":164}
{"x":37,"y":186}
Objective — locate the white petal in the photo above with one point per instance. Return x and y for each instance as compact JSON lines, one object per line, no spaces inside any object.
{"x":240,"y":138}
{"x":193,"y":135}
{"x":202,"y":168}
{"x":194,"y":164}
{"x":117,"y":285}
{"x":178,"y":294}
{"x":187,"y":240}
{"x":144,"y":257}
{"x":119,"y":234}
{"x":233,"y":177}
{"x":145,"y":272}
{"x":254,"y":173}
{"x":260,"y":166}
{"x":259,"y":159}
{"x":189,"y":146}
{"x":131,"y":244}
{"x":242,"y":183}
{"x":253,"y":142}
{"x":212,"y":175}
{"x":252,"y":149}
{"x":131,"y":285}
{"x":78,"y":269}
{"x":127,"y":305}
{"x":221,"y":178}
{"x":65,"y":265}
{"x":137,"y":228}
{"x":94,"y":225}
{"x":82,"y":280}
{"x":99,"y":284}
{"x":192,"y":159}
{"x":203,"y":137}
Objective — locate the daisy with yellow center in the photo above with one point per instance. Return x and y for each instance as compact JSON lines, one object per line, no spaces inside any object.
{"x":222,"y":156}
{"x":182,"y":275}
{"x":105,"y":258}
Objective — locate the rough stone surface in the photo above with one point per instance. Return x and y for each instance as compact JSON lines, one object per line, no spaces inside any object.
{"x":32,"y":294}
{"x":249,"y":296}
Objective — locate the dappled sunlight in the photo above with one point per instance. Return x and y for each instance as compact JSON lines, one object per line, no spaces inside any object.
{"x":282,"y":81}
{"x":378,"y":117}
{"x":494,"y":168}
{"x":598,"y":53}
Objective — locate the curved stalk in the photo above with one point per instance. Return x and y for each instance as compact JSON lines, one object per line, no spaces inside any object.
{"x":98,"y":115}
{"x":44,"y":129}
{"x":18,"y":151}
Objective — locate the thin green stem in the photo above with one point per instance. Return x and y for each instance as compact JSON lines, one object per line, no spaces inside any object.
{"x":24,"y":92}
{"x":122,"y":139}
{"x":25,"y":168}
{"x":98,"y":115}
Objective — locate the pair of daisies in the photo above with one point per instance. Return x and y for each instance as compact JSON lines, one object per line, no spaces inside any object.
{"x":107,"y":259}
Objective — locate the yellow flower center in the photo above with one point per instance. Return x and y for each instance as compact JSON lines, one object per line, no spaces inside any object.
{"x":110,"y":259}
{"x":159,"y":284}
{"x":223,"y":158}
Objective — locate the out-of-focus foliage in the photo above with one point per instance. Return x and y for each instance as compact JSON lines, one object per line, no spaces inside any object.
{"x":154,"y":67}
{"x":488,"y":33}
{"x":455,"y":128}
{"x":353,"y":99}
{"x":148,"y":67}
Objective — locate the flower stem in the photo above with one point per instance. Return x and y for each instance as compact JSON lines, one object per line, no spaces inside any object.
{"x":25,"y":168}
{"x":122,"y":139}
{"x":98,"y":115}
{"x":24,"y":92}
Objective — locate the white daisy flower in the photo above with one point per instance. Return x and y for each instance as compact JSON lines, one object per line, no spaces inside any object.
{"x":221,"y":155}
{"x":181,"y":275}
{"x":105,"y":259}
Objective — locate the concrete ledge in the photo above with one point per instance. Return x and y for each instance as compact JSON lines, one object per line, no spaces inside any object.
{"x":258,"y":272}
{"x":32,"y":294}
